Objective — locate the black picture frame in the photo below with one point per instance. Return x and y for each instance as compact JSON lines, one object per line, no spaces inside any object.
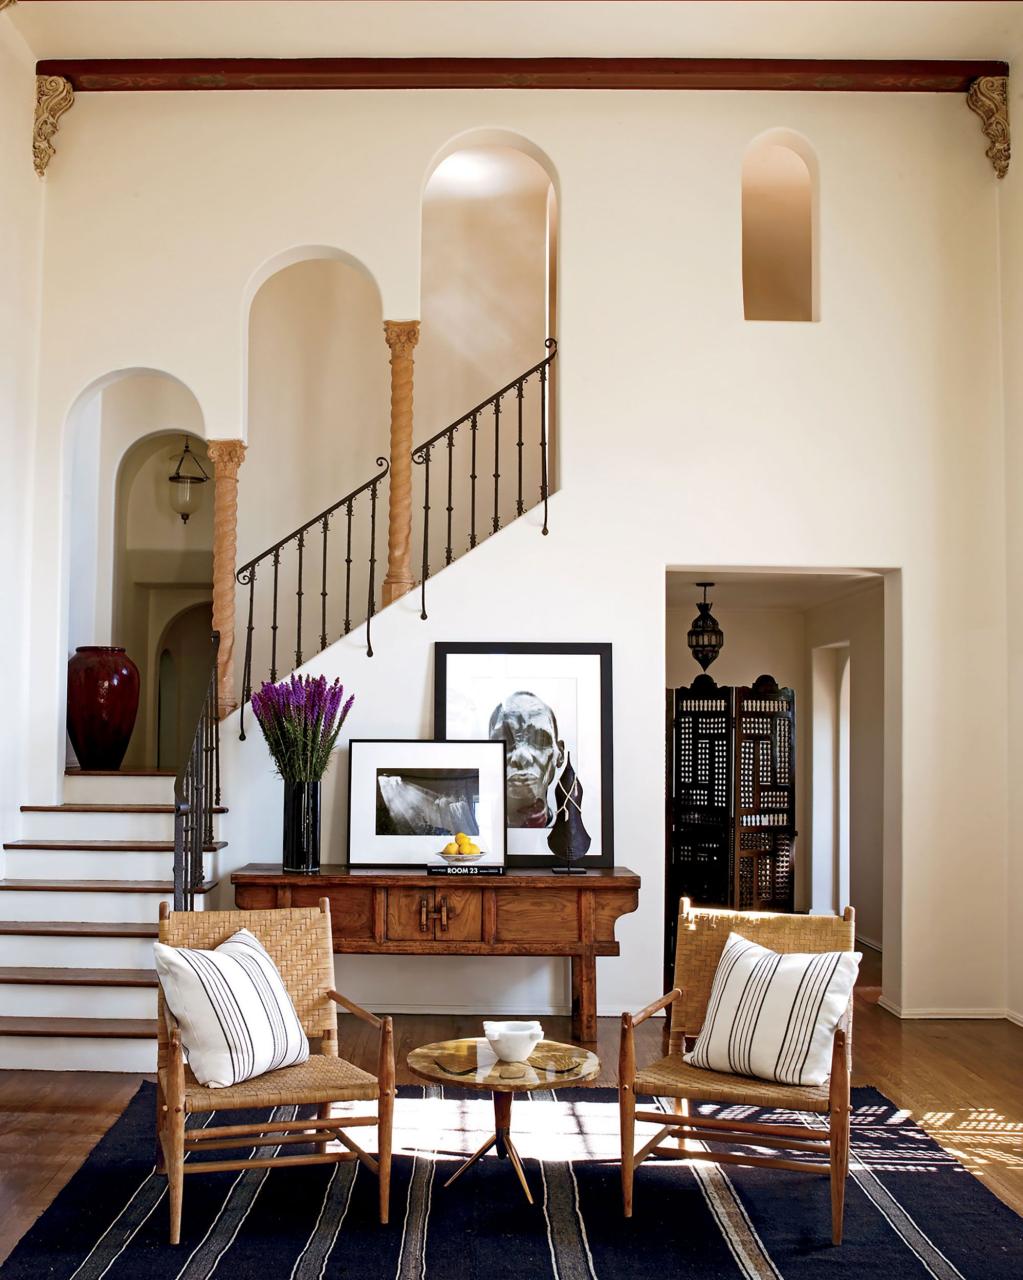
{"x":428,"y":854}
{"x":444,"y":650}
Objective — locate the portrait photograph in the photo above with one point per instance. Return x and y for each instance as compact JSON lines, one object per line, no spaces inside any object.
{"x":547,"y":703}
{"x":407,"y":800}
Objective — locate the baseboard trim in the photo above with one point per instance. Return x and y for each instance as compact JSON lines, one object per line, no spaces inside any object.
{"x":484,"y":1011}
{"x":868,"y":942}
{"x":952,"y":1014}
{"x":1014,"y":1017}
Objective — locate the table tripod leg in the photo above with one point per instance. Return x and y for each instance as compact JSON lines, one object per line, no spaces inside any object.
{"x":472,"y":1159}
{"x":513,"y":1155}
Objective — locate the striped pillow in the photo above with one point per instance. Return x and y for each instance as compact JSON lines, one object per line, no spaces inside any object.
{"x":774,"y":1016}
{"x":237,"y":1020}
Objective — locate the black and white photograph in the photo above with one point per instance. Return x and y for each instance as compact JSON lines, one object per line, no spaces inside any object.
{"x":410,"y":800}
{"x":549,"y":704}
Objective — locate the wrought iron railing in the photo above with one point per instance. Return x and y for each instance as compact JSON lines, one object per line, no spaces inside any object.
{"x":520,"y":448}
{"x":497,"y":450}
{"x":285,"y":566}
{"x":197,"y":793}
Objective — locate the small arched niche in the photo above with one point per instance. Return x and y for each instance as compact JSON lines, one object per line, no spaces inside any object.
{"x":779,"y":215}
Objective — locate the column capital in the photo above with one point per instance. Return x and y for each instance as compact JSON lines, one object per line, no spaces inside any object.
{"x":226,"y":455}
{"x":53,"y":97}
{"x":402,"y":336}
{"x":988,"y":97}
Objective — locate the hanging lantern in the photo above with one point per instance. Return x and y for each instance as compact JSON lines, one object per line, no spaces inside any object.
{"x":705,"y":638}
{"x":186,"y":483}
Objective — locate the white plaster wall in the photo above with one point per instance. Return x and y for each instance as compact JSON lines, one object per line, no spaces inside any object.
{"x":873,"y":437}
{"x":21,"y":209}
{"x":1011,"y":262}
{"x":858,"y":621}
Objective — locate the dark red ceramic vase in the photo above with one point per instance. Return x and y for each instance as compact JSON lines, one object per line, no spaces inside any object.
{"x":102,"y":702}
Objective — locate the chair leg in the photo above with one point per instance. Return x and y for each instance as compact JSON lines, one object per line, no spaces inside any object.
{"x":839,"y":1157}
{"x":627,"y":1110}
{"x":174,"y":1153}
{"x":161,"y":1118}
{"x":322,"y":1113}
{"x":385,"y":1122}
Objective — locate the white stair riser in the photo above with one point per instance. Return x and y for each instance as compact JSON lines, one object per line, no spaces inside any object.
{"x":68,"y":825}
{"x":92,"y":864}
{"x":38,"y":1000}
{"x":68,"y":1053}
{"x":77,"y":953}
{"x":55,"y":904}
{"x":117,"y":790}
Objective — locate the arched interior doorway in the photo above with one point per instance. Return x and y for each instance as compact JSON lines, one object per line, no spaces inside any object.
{"x":134,"y":564}
{"x":182,"y":679}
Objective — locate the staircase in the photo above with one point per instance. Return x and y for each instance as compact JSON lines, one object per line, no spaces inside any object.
{"x":78,"y":909}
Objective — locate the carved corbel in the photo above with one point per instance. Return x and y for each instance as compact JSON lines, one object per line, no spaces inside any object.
{"x":53,"y":97}
{"x":988,"y":96}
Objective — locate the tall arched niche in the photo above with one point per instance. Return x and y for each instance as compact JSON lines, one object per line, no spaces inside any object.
{"x":488,"y":283}
{"x":123,"y":541}
{"x":780,"y":228}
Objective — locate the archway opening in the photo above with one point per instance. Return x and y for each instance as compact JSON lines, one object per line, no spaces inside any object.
{"x":778,"y":253}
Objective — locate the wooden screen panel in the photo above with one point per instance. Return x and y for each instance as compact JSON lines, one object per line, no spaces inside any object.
{"x":765,"y":797}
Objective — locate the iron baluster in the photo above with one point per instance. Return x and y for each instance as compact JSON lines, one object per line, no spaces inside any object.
{"x":298,"y":595}
{"x":323,"y":588}
{"x":497,"y":463}
{"x":247,"y":668}
{"x":473,"y":427}
{"x":422,"y":456}
{"x":543,"y":444}
{"x":520,"y":390}
{"x":348,"y":569}
{"x":448,"y":554}
{"x":371,"y":602}
{"x":197,"y":792}
{"x":273,"y":624}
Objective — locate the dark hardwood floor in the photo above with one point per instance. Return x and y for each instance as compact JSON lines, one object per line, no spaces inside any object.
{"x":962,"y":1080}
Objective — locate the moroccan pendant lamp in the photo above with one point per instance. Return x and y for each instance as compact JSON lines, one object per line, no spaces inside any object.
{"x":705,"y":638}
{"x":186,"y":483}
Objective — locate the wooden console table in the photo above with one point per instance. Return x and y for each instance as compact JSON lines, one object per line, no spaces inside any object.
{"x":522,"y":913}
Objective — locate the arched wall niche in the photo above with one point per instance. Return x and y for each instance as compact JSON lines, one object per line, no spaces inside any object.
{"x":780,"y":228}
{"x":318,"y":396}
{"x":488,"y":297}
{"x":109,"y":432}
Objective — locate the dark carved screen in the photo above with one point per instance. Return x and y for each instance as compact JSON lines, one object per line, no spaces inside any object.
{"x":765,"y":797}
{"x":699,"y":831}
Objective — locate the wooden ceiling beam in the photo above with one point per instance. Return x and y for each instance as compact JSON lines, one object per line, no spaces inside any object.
{"x":140,"y":75}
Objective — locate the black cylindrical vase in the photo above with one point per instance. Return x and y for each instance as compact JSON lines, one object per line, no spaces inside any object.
{"x":302,"y":827}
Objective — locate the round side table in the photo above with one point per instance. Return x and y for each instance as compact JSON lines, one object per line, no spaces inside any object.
{"x":472,"y":1064}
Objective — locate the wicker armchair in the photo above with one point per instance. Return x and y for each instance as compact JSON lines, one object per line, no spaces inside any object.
{"x":702,"y":935}
{"x":299,"y":941}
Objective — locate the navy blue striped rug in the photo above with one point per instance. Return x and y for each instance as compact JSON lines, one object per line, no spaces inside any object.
{"x":911,"y":1210}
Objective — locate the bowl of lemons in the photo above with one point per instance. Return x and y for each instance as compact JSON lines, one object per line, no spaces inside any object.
{"x":461,"y":849}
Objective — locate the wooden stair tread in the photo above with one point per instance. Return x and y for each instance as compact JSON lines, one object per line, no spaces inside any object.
{"x":107,"y":846}
{"x":99,"y":886}
{"x":78,"y":929}
{"x":77,"y":772}
{"x":106,"y":808}
{"x":19,"y":975}
{"x":101,"y":1028}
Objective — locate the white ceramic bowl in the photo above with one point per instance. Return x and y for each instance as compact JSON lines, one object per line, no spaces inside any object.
{"x":513,"y":1041}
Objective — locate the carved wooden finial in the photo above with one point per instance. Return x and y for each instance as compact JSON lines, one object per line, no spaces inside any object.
{"x":988,"y":96}
{"x":53,"y":97}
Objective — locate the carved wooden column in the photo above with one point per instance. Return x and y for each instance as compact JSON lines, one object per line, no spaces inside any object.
{"x":402,"y":336}
{"x":227,"y":456}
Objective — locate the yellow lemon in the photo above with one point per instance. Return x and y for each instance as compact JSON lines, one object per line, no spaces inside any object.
{"x":471,"y":848}
{"x":451,"y":848}
{"x":461,"y":838}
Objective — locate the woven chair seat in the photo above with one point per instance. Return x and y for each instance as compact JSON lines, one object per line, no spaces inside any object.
{"x":672,"y":1078}
{"x":318,"y":1079}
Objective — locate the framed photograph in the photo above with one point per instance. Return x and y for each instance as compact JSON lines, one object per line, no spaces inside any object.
{"x":546,"y":703}
{"x":408,"y":800}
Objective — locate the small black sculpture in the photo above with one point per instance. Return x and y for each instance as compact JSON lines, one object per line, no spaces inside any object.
{"x":569,"y":840}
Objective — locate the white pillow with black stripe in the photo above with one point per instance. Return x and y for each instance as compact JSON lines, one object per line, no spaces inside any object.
{"x":774,"y":1016}
{"x":236,"y":1017}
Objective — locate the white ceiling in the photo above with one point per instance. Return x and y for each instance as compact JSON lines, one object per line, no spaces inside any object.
{"x":747,"y":589}
{"x":506,"y":28}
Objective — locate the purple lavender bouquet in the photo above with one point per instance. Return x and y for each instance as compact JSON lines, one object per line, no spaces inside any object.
{"x":301,"y":718}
